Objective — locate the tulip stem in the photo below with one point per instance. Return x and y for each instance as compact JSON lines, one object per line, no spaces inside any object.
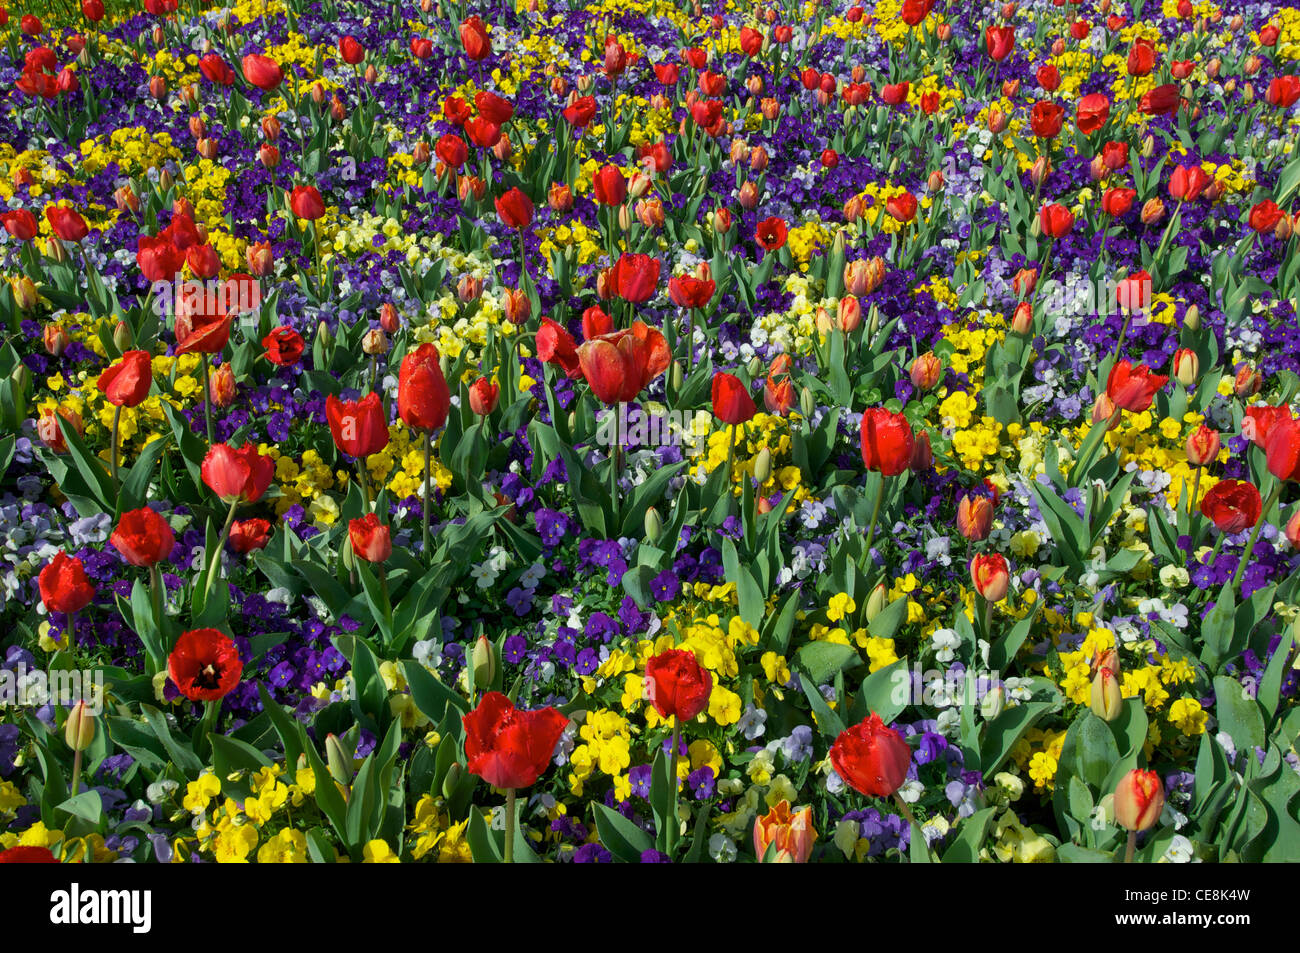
{"x":911,"y":820}
{"x":670,"y":835}
{"x":1254,"y":535}
{"x":214,"y":565}
{"x":361,"y":478}
{"x":510,"y":826}
{"x":731,"y":463}
{"x":117,"y":419}
{"x":988,"y":619}
{"x":207,"y":398}
{"x":1130,"y":848}
{"x":1196,"y":492}
{"x":76,"y":772}
{"x":875,"y":515}
{"x":428,"y":485}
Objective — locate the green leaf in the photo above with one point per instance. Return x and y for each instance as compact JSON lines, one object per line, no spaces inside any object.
{"x":821,"y":660}
{"x":621,"y":837}
{"x":1239,"y":715}
{"x":965,"y":847}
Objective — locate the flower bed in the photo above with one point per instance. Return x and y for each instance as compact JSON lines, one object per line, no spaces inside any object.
{"x":649,"y":431}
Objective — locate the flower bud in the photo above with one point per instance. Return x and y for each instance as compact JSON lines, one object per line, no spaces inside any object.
{"x":484,"y":662}
{"x":763,"y":466}
{"x":849,"y":314}
{"x":1192,"y":318}
{"x":1153,"y":211}
{"x":876,"y":602}
{"x":1139,"y":799}
{"x":79,"y":731}
{"x":1104,"y":696}
{"x":1103,"y":408}
{"x":1187,"y":366}
{"x":926,"y":371}
{"x":654,"y":524}
{"x":1203,"y":446}
{"x":974,"y":517}
{"x":420,"y":153}
{"x":468,"y":288}
{"x":747,"y":197}
{"x":560,"y":198}
{"x":25,"y":294}
{"x":1249,"y":381}
{"x":123,"y":339}
{"x":515,"y":303}
{"x":1293,"y":537}
{"x":451,"y":780}
{"x":388,"y":318}
{"x":157,"y":87}
{"x":992,"y":703}
{"x":807,"y":402}
{"x":55,"y":340}
{"x":375,"y":342}
{"x":221,"y":386}
{"x":340,"y":764}
{"x":935,"y":182}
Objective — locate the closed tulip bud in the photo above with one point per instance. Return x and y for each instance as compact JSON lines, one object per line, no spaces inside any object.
{"x":483,"y":396}
{"x":1248,"y":382}
{"x":207,"y":148}
{"x":559,"y":198}
{"x":198,"y":128}
{"x":926,"y":371}
{"x":990,"y":576}
{"x":755,"y":367}
{"x":770,"y":108}
{"x":261,"y":260}
{"x":849,"y":314}
{"x":123,"y":339}
{"x":873,"y":324}
{"x":739,"y":151}
{"x":420,"y":153}
{"x":624,"y":219}
{"x":340,"y":764}
{"x":763,"y":466}
{"x":974,"y":517}
{"x":585,"y":83}
{"x":747,"y":197}
{"x":1097,"y":168}
{"x":1284,"y":228}
{"x":268,"y":155}
{"x":1153,"y":211}
{"x":271,"y":127}
{"x":157,"y":87}
{"x":1251,"y":67}
{"x":1148,"y":147}
{"x":484,"y":662}
{"x":992,"y":703}
{"x":654,"y":524}
{"x":158,"y":36}
{"x":1139,"y":799}
{"x":375,"y":342}
{"x":1230,"y":87}
{"x":221,"y":386}
{"x":1203,"y":446}
{"x":468,"y":288}
{"x":1187,"y":366}
{"x":755,"y":85}
{"x":758,"y":159}
{"x":515,"y":303}
{"x":1192,"y":318}
{"x":1212,"y":67}
{"x":79,"y":731}
{"x":24,"y":292}
{"x":935,"y":182}
{"x":125,"y":199}
{"x":55,"y":340}
{"x":922,"y":454}
{"x":166,"y":180}
{"x":763,"y":505}
{"x":1104,"y":696}
{"x":677,"y":375}
{"x":1103,"y":408}
{"x":1010,"y":87}
{"x":721,"y":221}
{"x":1022,"y":320}
{"x":1293,"y":537}
{"x":54,"y":249}
{"x":470,"y":186}
{"x":824,"y":324}
{"x":876,"y":602}
{"x":997,"y":122}
{"x":21,"y":376}
{"x":807,"y":403}
{"x":451,"y":780}
{"x":944,"y":32}
{"x":324,"y":335}
{"x":338,"y":112}
{"x":503,"y":148}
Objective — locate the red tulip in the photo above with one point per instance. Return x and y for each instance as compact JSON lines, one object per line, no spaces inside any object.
{"x":248,"y":535}
{"x":64,"y":585}
{"x":474,"y":37}
{"x":237,"y":475}
{"x":263,"y":72}
{"x":1188,"y":182}
{"x":1141,"y":57}
{"x":610,"y":186}
{"x":999,"y":41}
{"x":203,"y":261}
{"x":126,"y":383}
{"x":482,"y":132}
{"x":205,"y":665}
{"x":493,"y":108}
{"x":508,"y":747}
{"x":555,"y":345}
{"x":887,"y":441}
{"x":1055,"y":221}
{"x":371,"y":540}
{"x":202,"y":326}
{"x":732,"y":403}
{"x":515,"y":209}
{"x":1282,"y":448}
{"x":1258,"y":421}
{"x":871,"y":757}
{"x":1133,"y":293}
{"x":677,"y":685}
{"x":1117,"y":202}
{"x":691,"y":292}
{"x":636,"y":277}
{"x":1133,"y":388}
{"x":901,"y":207}
{"x":1114,"y":156}
{"x":1160,"y":101}
{"x":1283,"y":91}
{"x":216,"y":70}
{"x":990,"y":576}
{"x":1092,"y":112}
{"x":581,"y":112}
{"x":771,"y":234}
{"x":423,"y":398}
{"x":483,"y":395}
{"x":451,"y":149}
{"x":1232,"y":505}
{"x":158,"y":258}
{"x":1203,"y":445}
{"x":284,"y":346}
{"x":619,"y":366}
{"x":143,"y":537}
{"x":20,"y":223}
{"x":1045,"y":119}
{"x":1265,"y":216}
{"x":305,"y":202}
{"x":421,"y":47}
{"x":23,"y":854}
{"x":66,"y":223}
{"x":894,"y":94}
{"x":351,"y":51}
